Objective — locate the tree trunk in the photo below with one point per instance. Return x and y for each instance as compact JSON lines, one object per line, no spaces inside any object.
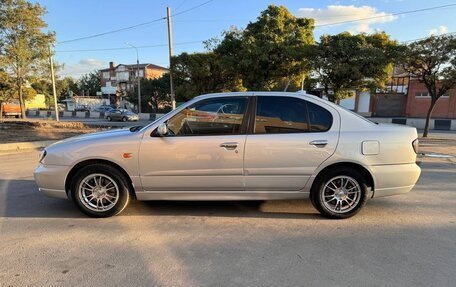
{"x":21,"y":98}
{"x":287,"y":85}
{"x":428,"y":118}
{"x":1,"y":110}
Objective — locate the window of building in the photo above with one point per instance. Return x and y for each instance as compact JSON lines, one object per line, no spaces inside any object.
{"x":281,"y":115}
{"x":421,"y":94}
{"x":219,"y":116}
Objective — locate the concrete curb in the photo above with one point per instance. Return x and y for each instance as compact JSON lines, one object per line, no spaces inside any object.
{"x":18,"y":146}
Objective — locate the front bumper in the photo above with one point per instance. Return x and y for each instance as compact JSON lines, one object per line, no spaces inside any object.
{"x":51,"y":180}
{"x":395,"y":179}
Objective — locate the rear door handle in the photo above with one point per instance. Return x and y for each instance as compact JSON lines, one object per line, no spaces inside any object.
{"x":319,"y":143}
{"x":229,"y":145}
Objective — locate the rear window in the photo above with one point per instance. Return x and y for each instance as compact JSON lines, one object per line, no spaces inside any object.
{"x":290,"y":115}
{"x":281,"y":115}
{"x":320,"y":119}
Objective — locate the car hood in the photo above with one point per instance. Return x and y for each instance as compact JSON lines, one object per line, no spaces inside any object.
{"x":106,"y":144}
{"x":103,"y":135}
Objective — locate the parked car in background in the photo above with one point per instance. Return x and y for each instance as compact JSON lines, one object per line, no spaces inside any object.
{"x":121,"y":115}
{"x":60,"y":107}
{"x":104,"y":108}
{"x":81,"y":108}
{"x":11,"y":109}
{"x":237,"y":146}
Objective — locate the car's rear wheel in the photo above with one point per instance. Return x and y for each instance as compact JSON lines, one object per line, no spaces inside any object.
{"x":339,"y":193}
{"x":109,"y":118}
{"x":100,"y":190}
{"x":124,"y":119}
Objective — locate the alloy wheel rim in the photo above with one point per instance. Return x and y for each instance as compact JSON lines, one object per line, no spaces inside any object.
{"x":341,"y":194}
{"x":98,"y":192}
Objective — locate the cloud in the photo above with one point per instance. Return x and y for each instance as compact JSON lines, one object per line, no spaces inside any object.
{"x":82,"y":67}
{"x":438,"y":31}
{"x":340,"y":13}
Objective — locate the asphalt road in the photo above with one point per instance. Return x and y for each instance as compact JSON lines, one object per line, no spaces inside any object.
{"x":406,"y":240}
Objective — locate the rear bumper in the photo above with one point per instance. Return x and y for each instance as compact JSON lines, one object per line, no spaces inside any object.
{"x":395,"y":179}
{"x":51,"y":180}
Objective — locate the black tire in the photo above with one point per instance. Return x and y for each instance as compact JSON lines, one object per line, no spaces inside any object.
{"x":105,"y":170}
{"x":319,"y":192}
{"x":109,"y":118}
{"x":124,"y":119}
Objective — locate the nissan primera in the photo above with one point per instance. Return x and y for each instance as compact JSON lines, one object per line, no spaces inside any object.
{"x":236,"y":146}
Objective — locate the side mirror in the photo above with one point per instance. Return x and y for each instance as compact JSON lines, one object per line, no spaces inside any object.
{"x":162,"y":130}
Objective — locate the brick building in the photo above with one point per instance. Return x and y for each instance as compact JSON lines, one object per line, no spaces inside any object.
{"x":117,"y":79}
{"x":403,"y":98}
{"x":418,"y":101}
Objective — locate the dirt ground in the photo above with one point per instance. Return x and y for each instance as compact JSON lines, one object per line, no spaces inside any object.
{"x":25,"y":131}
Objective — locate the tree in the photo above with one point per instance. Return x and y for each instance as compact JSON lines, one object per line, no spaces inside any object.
{"x":155,"y":94}
{"x":6,"y":89}
{"x":433,"y":62}
{"x":345,"y":62}
{"x":90,"y":83}
{"x":200,"y":73}
{"x":23,"y":44}
{"x":269,"y":53}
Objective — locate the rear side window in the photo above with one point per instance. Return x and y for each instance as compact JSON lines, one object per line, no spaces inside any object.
{"x":320,"y":119}
{"x":281,"y":115}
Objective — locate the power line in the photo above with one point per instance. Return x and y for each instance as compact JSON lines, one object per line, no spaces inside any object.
{"x":388,"y":15}
{"x":112,"y":31}
{"x":133,"y":26}
{"x":125,"y":48}
{"x":418,"y":39}
{"x":191,"y":8}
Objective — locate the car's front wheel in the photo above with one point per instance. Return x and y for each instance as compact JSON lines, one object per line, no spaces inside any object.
{"x":100,"y":190}
{"x":124,"y":119}
{"x":339,"y":193}
{"x":109,"y":118}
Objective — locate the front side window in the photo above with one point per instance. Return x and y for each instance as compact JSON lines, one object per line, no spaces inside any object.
{"x":281,"y":115}
{"x":218,"y":116}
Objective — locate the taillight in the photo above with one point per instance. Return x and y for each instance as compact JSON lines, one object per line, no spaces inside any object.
{"x":415,"y":145}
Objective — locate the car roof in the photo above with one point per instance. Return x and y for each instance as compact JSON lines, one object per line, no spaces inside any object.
{"x":300,"y":94}
{"x":256,"y":93}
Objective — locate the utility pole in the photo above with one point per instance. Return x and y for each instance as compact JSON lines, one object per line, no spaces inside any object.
{"x":170,"y":43}
{"x":137,"y":76}
{"x":53,"y":84}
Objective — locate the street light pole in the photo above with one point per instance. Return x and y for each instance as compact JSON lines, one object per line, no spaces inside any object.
{"x":170,"y":46}
{"x":51,"y":62}
{"x":137,"y":76}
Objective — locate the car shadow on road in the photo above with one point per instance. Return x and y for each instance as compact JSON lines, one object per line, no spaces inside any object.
{"x":21,"y":198}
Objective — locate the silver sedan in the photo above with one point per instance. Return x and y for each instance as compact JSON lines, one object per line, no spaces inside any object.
{"x":237,"y":146}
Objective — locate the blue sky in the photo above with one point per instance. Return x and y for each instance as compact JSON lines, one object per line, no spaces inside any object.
{"x":78,"y":18}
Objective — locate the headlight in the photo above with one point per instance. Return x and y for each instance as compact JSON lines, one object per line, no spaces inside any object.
{"x":42,"y":155}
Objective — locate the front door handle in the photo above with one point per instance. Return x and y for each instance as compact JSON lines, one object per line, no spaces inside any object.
{"x":319,"y":143}
{"x":229,"y":145}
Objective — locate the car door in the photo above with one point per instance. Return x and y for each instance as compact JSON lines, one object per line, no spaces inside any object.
{"x":203,"y":151}
{"x":290,"y":138}
{"x":116,"y":115}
